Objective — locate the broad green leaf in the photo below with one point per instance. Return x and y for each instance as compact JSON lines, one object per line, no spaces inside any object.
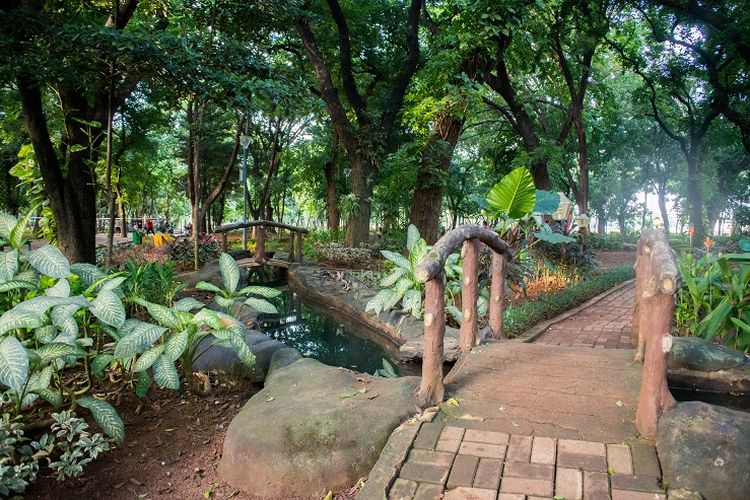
{"x":100,"y":362}
{"x":8,"y":265}
{"x":396,"y":258}
{"x":262,"y":291}
{"x":51,"y":396}
{"x":711,"y":324}
{"x":15,"y":285}
{"x":547,"y":202}
{"x":230,"y":272}
{"x":16,"y":234}
{"x":412,"y":235}
{"x":142,"y":336}
{"x":207,"y":287}
{"x":57,"y":350}
{"x":175,"y":345}
{"x":7,"y":223}
{"x":41,"y":303}
{"x":377,"y":303}
{"x":165,"y":373}
{"x":187,"y":304}
{"x":14,"y":363}
{"x":224,"y":302}
{"x":208,"y":318}
{"x":515,"y":195}
{"x":89,"y":273}
{"x":163,"y":315}
{"x":392,"y":278}
{"x":261,"y":305}
{"x":113,"y":283}
{"x":239,"y":346}
{"x":45,"y":334}
{"x":30,"y":276}
{"x":19,"y":318}
{"x":412,"y":301}
{"x":108,"y":308}
{"x":147,"y":359}
{"x":50,"y":261}
{"x":106,"y":417}
{"x":61,"y":289}
{"x":39,"y":379}
{"x":399,"y":290}
{"x":142,"y":384}
{"x":553,"y":237}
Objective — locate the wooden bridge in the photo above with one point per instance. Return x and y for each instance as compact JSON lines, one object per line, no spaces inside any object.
{"x":296,"y":238}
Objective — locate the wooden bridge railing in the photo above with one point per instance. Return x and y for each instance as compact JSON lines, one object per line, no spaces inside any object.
{"x":656,"y":282}
{"x":431,"y":271}
{"x":295,"y":250}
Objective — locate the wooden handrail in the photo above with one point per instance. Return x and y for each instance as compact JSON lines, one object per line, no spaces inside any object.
{"x":656,"y":282}
{"x":431,"y":271}
{"x":295,"y":254}
{"x":252,"y":223}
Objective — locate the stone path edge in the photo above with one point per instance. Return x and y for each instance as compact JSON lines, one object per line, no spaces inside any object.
{"x":387,"y":468}
{"x":537,"y":330}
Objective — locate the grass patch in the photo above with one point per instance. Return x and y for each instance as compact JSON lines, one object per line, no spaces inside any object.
{"x":520,"y":318}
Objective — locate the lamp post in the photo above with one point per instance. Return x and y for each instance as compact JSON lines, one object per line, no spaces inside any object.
{"x":246,"y":141}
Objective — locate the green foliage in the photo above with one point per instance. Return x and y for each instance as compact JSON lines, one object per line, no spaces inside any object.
{"x":520,"y":318}
{"x":387,"y":371}
{"x":399,"y":281}
{"x":514,"y":196}
{"x":254,"y":296}
{"x":714,"y":300}
{"x":152,"y":281}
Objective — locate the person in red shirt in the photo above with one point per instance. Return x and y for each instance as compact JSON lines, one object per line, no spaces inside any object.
{"x":149,"y":226}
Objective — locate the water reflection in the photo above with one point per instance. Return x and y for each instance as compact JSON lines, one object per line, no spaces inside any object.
{"x":319,"y":336}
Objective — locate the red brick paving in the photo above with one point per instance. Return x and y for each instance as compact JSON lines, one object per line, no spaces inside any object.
{"x":604,"y":325}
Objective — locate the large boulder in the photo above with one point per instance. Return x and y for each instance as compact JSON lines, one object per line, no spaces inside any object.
{"x":699,"y":365}
{"x":313,"y":428}
{"x":705,"y":448}
{"x":224,"y":359}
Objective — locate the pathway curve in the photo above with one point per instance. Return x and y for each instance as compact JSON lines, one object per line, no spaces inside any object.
{"x":554,"y":418}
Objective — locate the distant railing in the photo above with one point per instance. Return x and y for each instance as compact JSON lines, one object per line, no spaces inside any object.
{"x":431,"y":272}
{"x":295,"y":249}
{"x":656,"y":281}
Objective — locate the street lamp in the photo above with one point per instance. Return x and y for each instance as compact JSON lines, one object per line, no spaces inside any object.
{"x":246,"y":142}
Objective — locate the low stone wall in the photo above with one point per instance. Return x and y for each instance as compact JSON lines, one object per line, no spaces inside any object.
{"x":347,"y":297}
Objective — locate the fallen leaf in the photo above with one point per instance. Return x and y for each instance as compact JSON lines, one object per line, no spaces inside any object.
{"x":466,"y":416}
{"x":514,"y":424}
{"x":452,"y":402}
{"x":329,"y":496}
{"x":269,"y":399}
{"x":610,"y":471}
{"x":618,"y":403}
{"x":362,"y":390}
{"x":349,"y":394}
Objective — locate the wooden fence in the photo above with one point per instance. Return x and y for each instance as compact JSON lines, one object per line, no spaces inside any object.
{"x":295,"y":233}
{"x":431,"y":272}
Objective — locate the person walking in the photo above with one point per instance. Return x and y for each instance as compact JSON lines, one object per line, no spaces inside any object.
{"x":149,"y":226}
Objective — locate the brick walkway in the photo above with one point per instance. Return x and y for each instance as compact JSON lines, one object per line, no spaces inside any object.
{"x":472,"y":464}
{"x":604,"y":325}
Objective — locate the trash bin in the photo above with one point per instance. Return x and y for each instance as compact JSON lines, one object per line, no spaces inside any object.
{"x":137,"y":237}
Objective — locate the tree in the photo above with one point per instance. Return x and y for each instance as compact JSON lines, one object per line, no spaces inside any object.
{"x":374,"y":87}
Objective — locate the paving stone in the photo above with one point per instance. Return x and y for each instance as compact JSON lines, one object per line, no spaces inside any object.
{"x":402,"y":489}
{"x":488,"y":437}
{"x":482,"y":450}
{"x":423,"y":473}
{"x":618,"y":457}
{"x":451,"y":432}
{"x":519,"y":449}
{"x":450,"y":439}
{"x":428,"y":436}
{"x":645,"y":461}
{"x":634,"y":483}
{"x":595,"y":485}
{"x":462,"y":472}
{"x":569,"y":483}
{"x":586,"y":455}
{"x":540,"y":487}
{"x":463,"y":493}
{"x":581,"y":447}
{"x":636,"y":495}
{"x":510,"y":496}
{"x":426,"y":457}
{"x":543,"y":451}
{"x":429,"y":492}
{"x":488,"y":473}
{"x":531,"y":471}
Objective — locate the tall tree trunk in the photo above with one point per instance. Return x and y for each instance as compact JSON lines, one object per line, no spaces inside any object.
{"x":436,"y":159}
{"x":645,"y":209}
{"x":332,"y":195}
{"x":621,"y":222}
{"x":601,"y":225}
{"x":582,"y":156}
{"x":661,"y":192}
{"x":358,"y":226}
{"x":695,"y":199}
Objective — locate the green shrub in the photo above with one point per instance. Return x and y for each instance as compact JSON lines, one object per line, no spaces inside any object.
{"x":520,"y":318}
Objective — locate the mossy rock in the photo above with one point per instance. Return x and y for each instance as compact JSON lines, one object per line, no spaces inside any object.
{"x":695,"y":353}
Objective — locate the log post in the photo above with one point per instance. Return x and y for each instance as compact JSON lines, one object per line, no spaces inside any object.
{"x":469,"y":293}
{"x":497,"y":293}
{"x":224,"y":244}
{"x":659,"y":282}
{"x":431,"y":389}
{"x":260,"y":245}
{"x":291,"y":246}
{"x":300,"y":237}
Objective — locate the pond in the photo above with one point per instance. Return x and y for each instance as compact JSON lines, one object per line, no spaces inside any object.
{"x":317,"y":334}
